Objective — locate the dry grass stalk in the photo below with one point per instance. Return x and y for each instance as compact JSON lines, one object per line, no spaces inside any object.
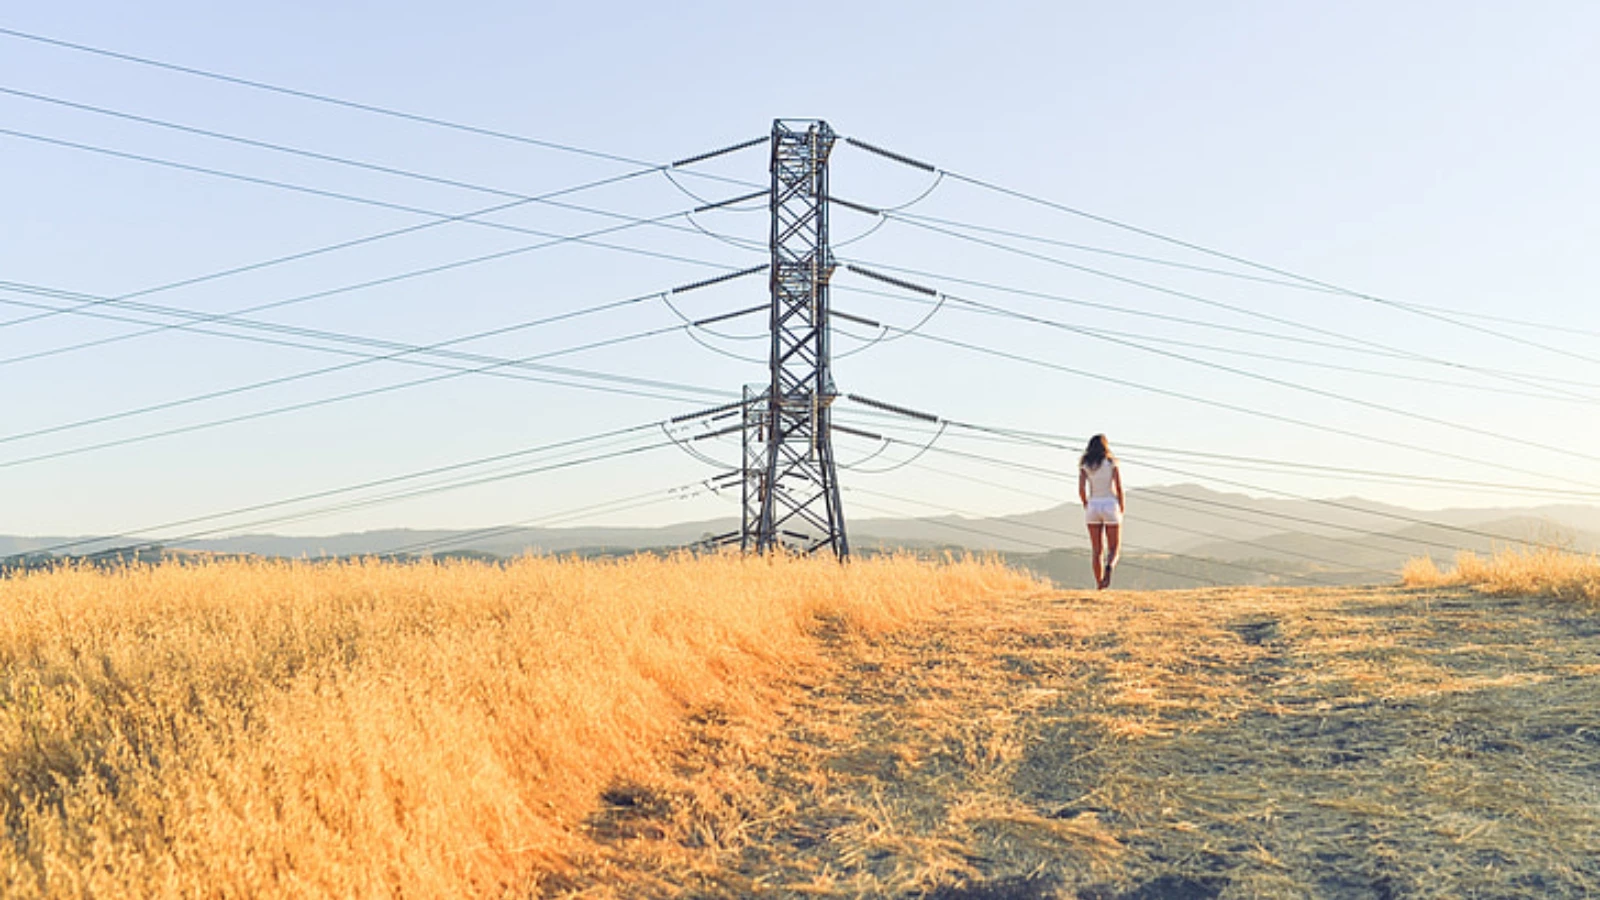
{"x":260,"y":729}
{"x":1529,"y":572}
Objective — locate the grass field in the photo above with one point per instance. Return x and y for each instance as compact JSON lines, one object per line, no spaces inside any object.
{"x":726,"y":727}
{"x":367,"y":730}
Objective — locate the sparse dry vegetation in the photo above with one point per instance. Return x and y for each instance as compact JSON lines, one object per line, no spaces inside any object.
{"x":376,"y":730}
{"x":1226,"y":743}
{"x":1526,"y":572}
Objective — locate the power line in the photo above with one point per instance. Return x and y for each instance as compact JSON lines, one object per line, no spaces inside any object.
{"x":920,"y":451}
{"x":330,"y":158}
{"x":293,"y":257}
{"x":383,"y":482}
{"x":1036,"y":544}
{"x":326,"y":157}
{"x":401,"y":355}
{"x":1269,"y":379}
{"x":1232,"y":407}
{"x":1275,"y":466}
{"x":1335,"y":504}
{"x":365,"y":201}
{"x":1345,"y":472}
{"x":1053,"y":442}
{"x":1210,"y":504}
{"x":1523,"y":377}
{"x":917,"y":453}
{"x":1424,"y":311}
{"x":1106,"y":251}
{"x":401,"y":352}
{"x":459,"y":484}
{"x":469,"y":481}
{"x":1178,"y":501}
{"x":364,"y":107}
{"x":1234,"y":351}
{"x":384,"y":235}
{"x":567,"y":444}
{"x":338,"y":398}
{"x":1136,"y":564}
{"x":624,"y":504}
{"x":1227,"y":273}
{"x":1187,"y":295}
{"x":323,"y":294}
{"x":1089,"y":331}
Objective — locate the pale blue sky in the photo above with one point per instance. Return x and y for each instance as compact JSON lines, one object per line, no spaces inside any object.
{"x":1432,"y":153}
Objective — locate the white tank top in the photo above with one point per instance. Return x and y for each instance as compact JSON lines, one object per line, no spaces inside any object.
{"x":1100,"y":479}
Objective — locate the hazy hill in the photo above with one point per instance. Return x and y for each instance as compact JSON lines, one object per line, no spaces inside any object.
{"x":1189,"y":530}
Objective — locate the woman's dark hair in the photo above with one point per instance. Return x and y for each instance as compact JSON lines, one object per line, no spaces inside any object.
{"x":1096,"y":453}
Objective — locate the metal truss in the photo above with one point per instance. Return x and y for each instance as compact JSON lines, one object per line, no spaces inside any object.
{"x":791,"y":483}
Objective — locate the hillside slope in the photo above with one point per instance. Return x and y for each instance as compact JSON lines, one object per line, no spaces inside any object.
{"x":1179,"y":519}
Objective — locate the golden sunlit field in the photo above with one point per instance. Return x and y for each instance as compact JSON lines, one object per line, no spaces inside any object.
{"x":1543,"y":572}
{"x":274,"y":729}
{"x":730,"y":727}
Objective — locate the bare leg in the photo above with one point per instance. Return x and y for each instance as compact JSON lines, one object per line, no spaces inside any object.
{"x":1095,"y":532}
{"x":1113,"y":551}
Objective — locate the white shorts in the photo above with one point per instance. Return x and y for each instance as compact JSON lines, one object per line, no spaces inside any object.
{"x":1102,"y":511}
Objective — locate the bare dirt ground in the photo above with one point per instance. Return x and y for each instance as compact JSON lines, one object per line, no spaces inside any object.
{"x":1369,"y":742}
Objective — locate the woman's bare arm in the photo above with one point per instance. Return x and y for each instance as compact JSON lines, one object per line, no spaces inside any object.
{"x":1116,"y":488}
{"x":1083,"y":486}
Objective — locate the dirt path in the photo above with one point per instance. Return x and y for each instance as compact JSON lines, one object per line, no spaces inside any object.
{"x":1226,"y":743}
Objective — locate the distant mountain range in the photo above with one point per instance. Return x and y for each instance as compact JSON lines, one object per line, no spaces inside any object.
{"x":1175,"y":536}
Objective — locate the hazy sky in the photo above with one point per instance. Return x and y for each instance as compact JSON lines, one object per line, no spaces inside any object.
{"x":1432,"y":153}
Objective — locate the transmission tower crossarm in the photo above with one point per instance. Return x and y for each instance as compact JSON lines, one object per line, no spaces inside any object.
{"x":718,"y":204}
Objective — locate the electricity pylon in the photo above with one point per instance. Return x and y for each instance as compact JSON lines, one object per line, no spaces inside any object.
{"x":791,"y":484}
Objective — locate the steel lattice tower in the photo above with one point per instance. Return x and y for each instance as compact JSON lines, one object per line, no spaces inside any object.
{"x":792,"y":499}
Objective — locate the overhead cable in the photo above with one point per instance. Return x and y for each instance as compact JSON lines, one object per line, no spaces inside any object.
{"x":1334,"y":504}
{"x":1415,"y":309}
{"x":1562,"y":397}
{"x":1148,"y":494}
{"x":1186,"y":295}
{"x":361,"y":486}
{"x":1233,"y":407}
{"x":319,"y":295}
{"x":354,"y":198}
{"x":1269,"y":379}
{"x":403,"y":353}
{"x":518,"y":200}
{"x":1278,"y":466}
{"x":1524,"y":377}
{"x":1230,"y":273}
{"x":1057,"y":445}
{"x":338,"y":398}
{"x":1130,"y":563}
{"x":351,"y":104}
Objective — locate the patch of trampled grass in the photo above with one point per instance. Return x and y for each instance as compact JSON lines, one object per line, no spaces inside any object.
{"x":1224,"y":744}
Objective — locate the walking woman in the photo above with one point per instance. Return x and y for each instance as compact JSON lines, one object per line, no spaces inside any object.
{"x":1100,"y":489}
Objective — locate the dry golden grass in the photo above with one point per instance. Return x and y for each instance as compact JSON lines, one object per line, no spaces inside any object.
{"x":727,"y":727}
{"x":1226,"y":743}
{"x":1543,"y":572}
{"x":377,"y":730}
